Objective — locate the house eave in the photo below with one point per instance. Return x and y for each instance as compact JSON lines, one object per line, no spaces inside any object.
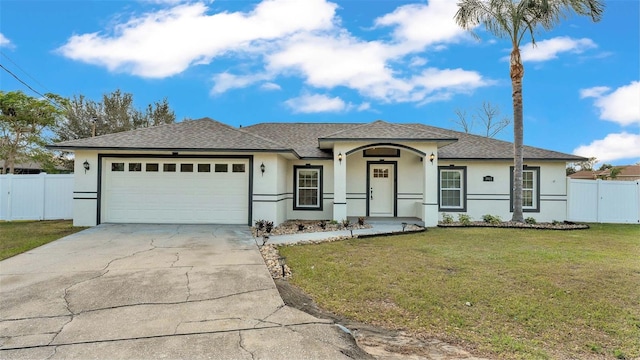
{"x":173,"y":149}
{"x":328,"y":143}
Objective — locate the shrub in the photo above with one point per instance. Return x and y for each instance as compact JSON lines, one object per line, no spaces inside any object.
{"x":361,"y":220}
{"x":491,"y":219}
{"x":300,"y":227}
{"x":322,"y":224}
{"x":446,"y":218}
{"x":530,"y":220}
{"x":260,"y":225}
{"x":346,"y":223}
{"x":268,"y":226}
{"x":464,"y":219}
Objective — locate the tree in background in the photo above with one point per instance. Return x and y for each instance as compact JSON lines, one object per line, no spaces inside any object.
{"x":490,"y":117}
{"x":513,"y":19}
{"x":22,"y":122}
{"x":114,"y":113}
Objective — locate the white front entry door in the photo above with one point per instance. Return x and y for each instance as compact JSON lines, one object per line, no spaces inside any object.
{"x":381,"y":190}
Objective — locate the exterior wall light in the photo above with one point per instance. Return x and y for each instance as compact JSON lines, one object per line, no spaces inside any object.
{"x":262,"y":168}
{"x":86,"y":166}
{"x":431,"y":158}
{"x":340,"y":157}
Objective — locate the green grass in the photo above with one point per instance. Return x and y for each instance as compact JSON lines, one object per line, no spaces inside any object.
{"x":17,"y":237}
{"x":534,"y":294}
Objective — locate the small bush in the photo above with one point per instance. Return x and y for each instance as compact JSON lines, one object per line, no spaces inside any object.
{"x":346,"y":223}
{"x":464,"y":219}
{"x":268,"y":226}
{"x":491,"y":219}
{"x":361,"y":221}
{"x":322,"y":224}
{"x":333,"y":222}
{"x":446,"y":218}
{"x":556,"y":222}
{"x":530,"y":220}
{"x":300,"y":227}
{"x":260,"y":224}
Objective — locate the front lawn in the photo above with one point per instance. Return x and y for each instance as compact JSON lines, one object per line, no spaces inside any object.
{"x":19,"y":236}
{"x":507,"y":293}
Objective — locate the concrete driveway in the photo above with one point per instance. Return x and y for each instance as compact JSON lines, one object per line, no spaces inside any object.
{"x":151,"y":292}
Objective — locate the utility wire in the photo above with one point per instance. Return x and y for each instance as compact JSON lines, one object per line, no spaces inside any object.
{"x":60,"y":107}
{"x":24,"y":71}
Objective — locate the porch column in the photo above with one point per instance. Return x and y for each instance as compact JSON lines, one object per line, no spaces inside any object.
{"x":339,"y":184}
{"x":430,"y":191}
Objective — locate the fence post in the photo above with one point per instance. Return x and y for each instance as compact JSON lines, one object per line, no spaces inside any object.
{"x":9,"y":192}
{"x":43,"y":176}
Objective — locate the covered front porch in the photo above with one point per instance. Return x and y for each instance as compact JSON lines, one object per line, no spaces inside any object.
{"x":386,"y":181}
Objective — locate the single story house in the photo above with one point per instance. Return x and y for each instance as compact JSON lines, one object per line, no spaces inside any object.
{"x":204,"y":171}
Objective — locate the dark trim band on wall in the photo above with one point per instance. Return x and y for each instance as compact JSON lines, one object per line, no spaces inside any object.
{"x":77,"y":198}
{"x":249,"y":158}
{"x":385,"y":144}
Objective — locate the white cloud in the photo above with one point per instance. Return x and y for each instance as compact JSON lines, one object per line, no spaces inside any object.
{"x":595,"y":91}
{"x":166,"y":42}
{"x":316,"y":103}
{"x":613,"y":147}
{"x":417,"y":61}
{"x":364,"y":106}
{"x":621,"y":106}
{"x":420,"y":25}
{"x":270,"y":86}
{"x":4,"y":41}
{"x":226,"y":81}
{"x":549,"y":49}
{"x":287,"y":38}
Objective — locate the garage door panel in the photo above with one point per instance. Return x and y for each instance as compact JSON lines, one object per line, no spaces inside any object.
{"x":175,"y":197}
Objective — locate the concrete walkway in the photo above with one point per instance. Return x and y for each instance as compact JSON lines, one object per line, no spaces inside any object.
{"x":155,"y":291}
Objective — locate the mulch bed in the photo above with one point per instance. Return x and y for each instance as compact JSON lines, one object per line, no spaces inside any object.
{"x":308,"y":226}
{"x":567,"y":225}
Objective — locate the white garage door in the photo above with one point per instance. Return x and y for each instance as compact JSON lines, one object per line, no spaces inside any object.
{"x":176,"y":191}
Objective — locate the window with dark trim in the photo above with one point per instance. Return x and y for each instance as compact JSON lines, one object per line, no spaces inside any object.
{"x":530,"y":189}
{"x":222,"y":167}
{"x":452,"y":188}
{"x":169,"y":167}
{"x":204,"y":167}
{"x":381,"y":152}
{"x":186,"y":167}
{"x":151,"y":167}
{"x":237,"y":168}
{"x":117,"y":166}
{"x":134,"y":167}
{"x":307,"y":183}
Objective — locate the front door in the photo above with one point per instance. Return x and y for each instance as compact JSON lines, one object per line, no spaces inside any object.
{"x":381,"y":189}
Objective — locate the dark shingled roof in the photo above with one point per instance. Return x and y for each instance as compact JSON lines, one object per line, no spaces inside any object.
{"x":302,"y":139}
{"x":202,"y":134}
{"x":381,"y":130}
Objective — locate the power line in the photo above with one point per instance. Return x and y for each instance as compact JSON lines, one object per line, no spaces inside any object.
{"x":32,"y":89}
{"x":23,"y":70}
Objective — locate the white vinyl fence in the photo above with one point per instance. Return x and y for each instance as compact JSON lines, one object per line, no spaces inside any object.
{"x":604,"y":201}
{"x":36,"y":197}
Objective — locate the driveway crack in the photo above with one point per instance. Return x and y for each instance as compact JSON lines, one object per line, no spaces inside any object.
{"x":188,"y":285}
{"x":240,"y":343}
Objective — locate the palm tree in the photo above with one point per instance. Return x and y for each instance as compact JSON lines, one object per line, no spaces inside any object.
{"x":513,"y":19}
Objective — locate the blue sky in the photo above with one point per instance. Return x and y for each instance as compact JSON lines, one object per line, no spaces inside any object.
{"x":246,"y":62}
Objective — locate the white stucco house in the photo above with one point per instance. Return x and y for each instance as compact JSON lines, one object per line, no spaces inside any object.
{"x":203,"y":171}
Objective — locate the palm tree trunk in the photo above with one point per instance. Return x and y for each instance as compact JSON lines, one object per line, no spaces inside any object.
{"x":517,"y":73}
